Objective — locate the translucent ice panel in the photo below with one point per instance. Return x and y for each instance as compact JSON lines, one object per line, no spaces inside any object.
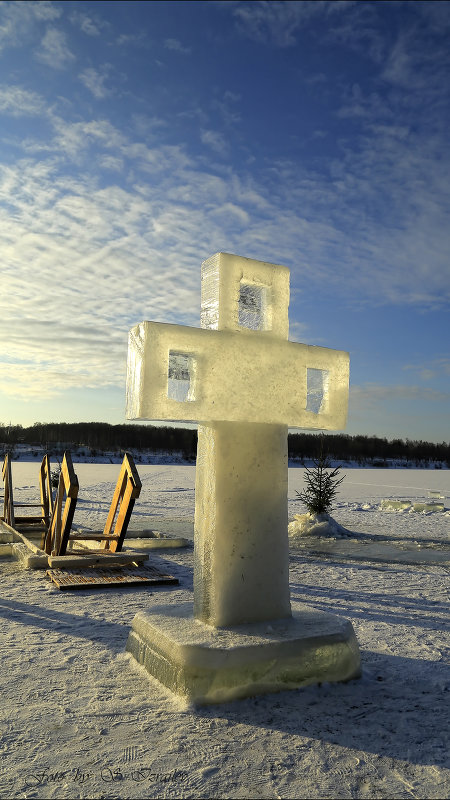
{"x":433,"y":506}
{"x":209,"y":315}
{"x":180,"y":377}
{"x":395,"y":505}
{"x":135,"y":363}
{"x":253,"y":307}
{"x":238,"y":378}
{"x":317,"y":381}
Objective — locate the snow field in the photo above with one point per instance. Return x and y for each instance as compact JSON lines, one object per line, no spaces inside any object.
{"x":80,"y":719}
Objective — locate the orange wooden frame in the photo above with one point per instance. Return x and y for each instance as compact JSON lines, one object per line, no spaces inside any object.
{"x":128,"y":489}
{"x":45,"y":506}
{"x":45,"y":484}
{"x":8,"y":498}
{"x":57,"y":514}
{"x":58,"y":533}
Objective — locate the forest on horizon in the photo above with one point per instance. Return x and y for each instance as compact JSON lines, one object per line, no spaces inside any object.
{"x":55,"y":437}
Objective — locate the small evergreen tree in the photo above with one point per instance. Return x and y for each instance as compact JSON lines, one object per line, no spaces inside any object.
{"x":54,"y":475}
{"x":321,"y":485}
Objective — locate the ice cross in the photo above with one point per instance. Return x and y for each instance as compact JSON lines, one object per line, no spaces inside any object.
{"x":244,"y":383}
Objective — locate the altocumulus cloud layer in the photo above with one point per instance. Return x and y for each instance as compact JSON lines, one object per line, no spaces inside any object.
{"x":321,"y":143}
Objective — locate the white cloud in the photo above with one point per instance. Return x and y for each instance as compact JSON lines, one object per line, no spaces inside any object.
{"x":83,"y":264}
{"x":54,"y":50}
{"x":94,"y":80}
{"x":91,"y":257}
{"x":227,"y":107}
{"x":407,"y":412}
{"x":47,"y":357}
{"x":269,"y":21}
{"x":74,"y":138}
{"x":159,"y":158}
{"x":433,"y":368}
{"x":369,"y":394}
{"x":230,"y":213}
{"x":176,"y":46}
{"x":215,"y":140}
{"x":135,"y":39}
{"x":19,"y":20}
{"x":398,"y":67}
{"x":146,"y":126}
{"x":89,"y":24}
{"x":111,"y":162}
{"x":42,"y":9}
{"x":298,"y":332}
{"x":359,"y":30}
{"x":370,"y":108}
{"x":16,"y":102}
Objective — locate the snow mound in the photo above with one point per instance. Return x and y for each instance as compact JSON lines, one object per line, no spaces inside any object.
{"x":316,"y":525}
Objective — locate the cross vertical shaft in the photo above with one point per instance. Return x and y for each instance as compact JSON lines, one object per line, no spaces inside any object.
{"x":241,"y":561}
{"x":241,"y":566}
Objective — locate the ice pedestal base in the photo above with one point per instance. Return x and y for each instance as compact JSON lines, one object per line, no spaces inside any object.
{"x":214,"y":665}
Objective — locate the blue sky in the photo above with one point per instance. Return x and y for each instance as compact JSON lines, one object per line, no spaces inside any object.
{"x":137,"y":139}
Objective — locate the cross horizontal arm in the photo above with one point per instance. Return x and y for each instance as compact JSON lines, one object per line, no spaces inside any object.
{"x":233,"y":378}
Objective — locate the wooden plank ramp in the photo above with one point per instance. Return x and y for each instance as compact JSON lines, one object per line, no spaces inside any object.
{"x":97,"y":558}
{"x":105,"y":577}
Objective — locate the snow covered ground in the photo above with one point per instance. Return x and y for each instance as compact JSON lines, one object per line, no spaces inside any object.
{"x":79,"y":718}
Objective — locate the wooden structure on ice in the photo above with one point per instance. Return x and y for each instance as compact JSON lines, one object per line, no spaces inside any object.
{"x":62,"y":547}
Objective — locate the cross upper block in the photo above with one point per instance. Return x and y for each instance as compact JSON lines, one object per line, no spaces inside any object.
{"x":258,"y":379}
{"x":244,"y":295}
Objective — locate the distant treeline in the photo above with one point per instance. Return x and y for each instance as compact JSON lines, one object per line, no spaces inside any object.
{"x":100,"y":436}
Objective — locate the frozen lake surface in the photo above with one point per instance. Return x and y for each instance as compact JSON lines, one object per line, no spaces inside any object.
{"x":81,"y":720}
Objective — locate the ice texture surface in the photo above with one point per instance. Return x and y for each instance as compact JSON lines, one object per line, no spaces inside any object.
{"x":428,"y":507}
{"x":395,"y":505}
{"x":317,"y":387}
{"x":258,"y":378}
{"x":253,"y":307}
{"x":241,"y":565}
{"x":241,"y":294}
{"x":245,"y":383}
{"x":180,"y":378}
{"x":245,"y":369}
{"x":407,"y":505}
{"x":211,"y":666}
